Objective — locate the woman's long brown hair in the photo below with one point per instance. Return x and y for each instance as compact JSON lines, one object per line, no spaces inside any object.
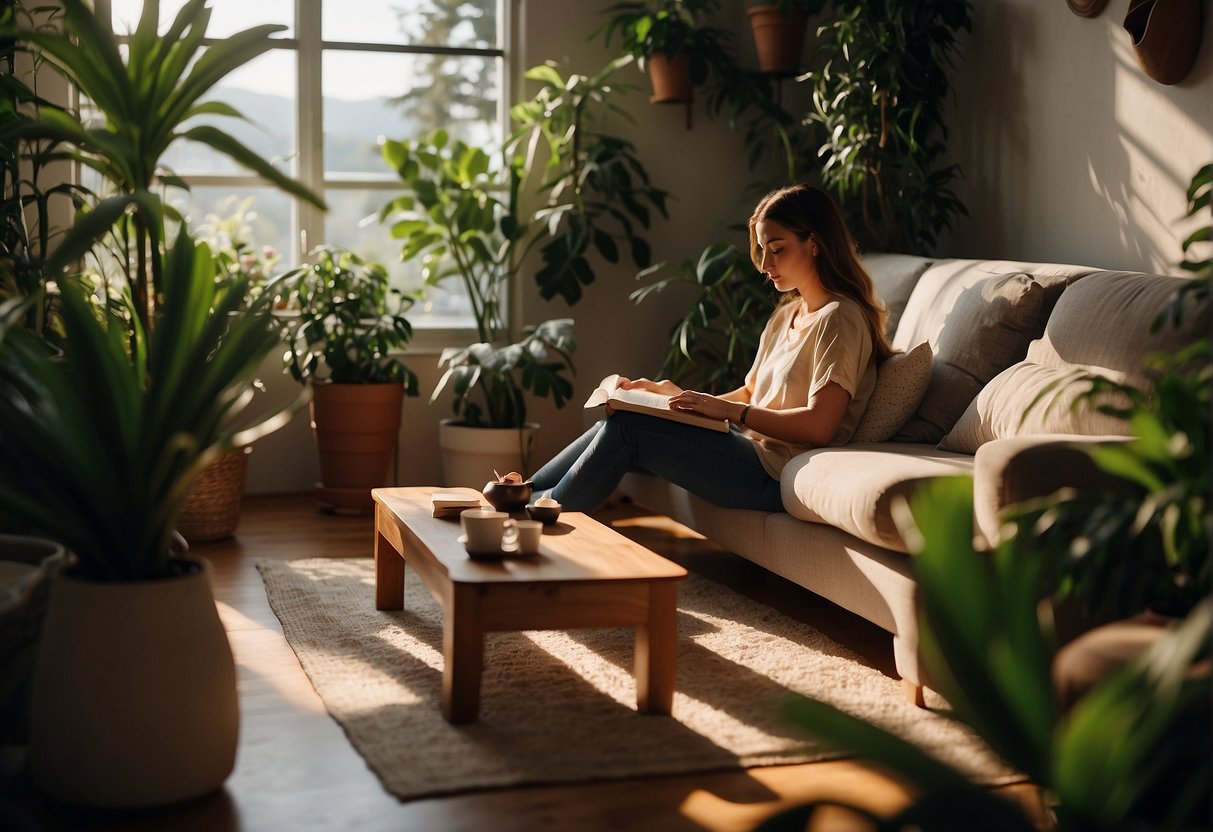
{"x":805,"y":210}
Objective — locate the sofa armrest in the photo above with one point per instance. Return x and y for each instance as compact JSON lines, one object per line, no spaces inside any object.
{"x":1012,"y":470}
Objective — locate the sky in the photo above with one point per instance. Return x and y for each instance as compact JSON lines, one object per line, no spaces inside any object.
{"x":349,"y":20}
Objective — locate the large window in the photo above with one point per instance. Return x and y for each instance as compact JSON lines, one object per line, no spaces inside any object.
{"x":343,"y":75}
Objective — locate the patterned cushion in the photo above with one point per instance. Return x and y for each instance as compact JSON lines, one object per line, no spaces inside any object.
{"x":901,"y":382}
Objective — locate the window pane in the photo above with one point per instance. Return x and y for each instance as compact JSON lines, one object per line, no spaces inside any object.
{"x":263,"y":90}
{"x":227,"y":17}
{"x":464,"y":23}
{"x":250,"y":218}
{"x":402,"y":96}
{"x":351,"y":223}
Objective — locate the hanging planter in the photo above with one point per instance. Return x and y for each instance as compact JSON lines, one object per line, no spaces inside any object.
{"x":1166,"y":37}
{"x":778,"y":37}
{"x":356,"y":427}
{"x":671,"y":79}
{"x":134,"y":692}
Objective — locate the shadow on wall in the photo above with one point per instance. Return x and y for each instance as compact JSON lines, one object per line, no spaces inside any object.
{"x":990,"y":131}
{"x":1071,"y":153}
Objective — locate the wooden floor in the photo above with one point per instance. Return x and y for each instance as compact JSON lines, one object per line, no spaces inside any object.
{"x":296,"y":771}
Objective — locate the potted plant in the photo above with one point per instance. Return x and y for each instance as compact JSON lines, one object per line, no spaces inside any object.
{"x":452,"y":220}
{"x":671,"y":41}
{"x":779,"y":30}
{"x":879,"y":100}
{"x":345,"y":325}
{"x":134,"y":690}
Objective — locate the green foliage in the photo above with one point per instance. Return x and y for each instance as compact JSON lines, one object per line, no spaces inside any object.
{"x":98,"y":449}
{"x":596,"y":188}
{"x":453,"y":222}
{"x":343,"y":321}
{"x":1145,"y":543}
{"x":502,"y":375}
{"x":1129,"y":754}
{"x":146,"y":100}
{"x":880,"y":97}
{"x":671,"y":28}
{"x":713,"y":345}
{"x":25,"y":203}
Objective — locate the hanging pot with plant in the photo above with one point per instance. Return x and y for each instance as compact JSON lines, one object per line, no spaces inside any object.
{"x":345,"y":325}
{"x":779,"y":33}
{"x":672,"y":42}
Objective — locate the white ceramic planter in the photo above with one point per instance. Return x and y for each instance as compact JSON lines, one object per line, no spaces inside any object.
{"x":470,"y":455}
{"x":134,"y":693}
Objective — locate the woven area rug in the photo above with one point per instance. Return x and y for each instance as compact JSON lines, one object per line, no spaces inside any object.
{"x":560,"y":706}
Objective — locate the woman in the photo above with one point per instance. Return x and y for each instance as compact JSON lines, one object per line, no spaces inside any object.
{"x":808,"y":387}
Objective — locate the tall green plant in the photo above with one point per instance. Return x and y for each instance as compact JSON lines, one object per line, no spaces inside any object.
{"x":452,"y":220}
{"x":596,"y":190}
{"x":880,"y":96}
{"x":99,"y":449}
{"x":1130,"y":754}
{"x":145,"y":100}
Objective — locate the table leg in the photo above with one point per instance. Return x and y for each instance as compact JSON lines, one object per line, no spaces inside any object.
{"x":657,"y":650}
{"x":463,"y":655}
{"x":389,"y":571}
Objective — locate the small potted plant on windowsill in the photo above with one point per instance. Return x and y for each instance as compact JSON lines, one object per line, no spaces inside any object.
{"x":779,"y":29}
{"x":345,"y":325}
{"x":671,"y":41}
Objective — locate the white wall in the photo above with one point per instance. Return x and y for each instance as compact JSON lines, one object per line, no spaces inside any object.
{"x":1071,"y":154}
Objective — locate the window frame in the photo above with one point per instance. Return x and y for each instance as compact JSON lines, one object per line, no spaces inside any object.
{"x":309,"y":46}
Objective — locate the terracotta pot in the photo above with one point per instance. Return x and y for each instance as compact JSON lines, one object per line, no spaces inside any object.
{"x":356,"y":428}
{"x":1166,"y":36}
{"x":778,"y":39}
{"x":212,"y":509}
{"x":134,"y":692}
{"x":671,"y":79}
{"x":470,"y":455}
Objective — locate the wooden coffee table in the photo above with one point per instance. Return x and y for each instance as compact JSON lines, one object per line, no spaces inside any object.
{"x":585,"y":575}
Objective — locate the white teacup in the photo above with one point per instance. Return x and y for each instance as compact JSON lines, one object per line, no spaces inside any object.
{"x":484,"y":529}
{"x":529,"y":534}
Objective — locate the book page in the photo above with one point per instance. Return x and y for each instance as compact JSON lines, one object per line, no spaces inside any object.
{"x":645,"y":401}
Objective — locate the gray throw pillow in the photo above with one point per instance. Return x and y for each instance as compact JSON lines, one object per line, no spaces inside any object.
{"x":988,"y":329}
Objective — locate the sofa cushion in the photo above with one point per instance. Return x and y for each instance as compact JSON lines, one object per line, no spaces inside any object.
{"x":1100,"y":326}
{"x":895,"y":276}
{"x":901,"y":382}
{"x":854,"y":487}
{"x":987,"y":329}
{"x":937,"y":289}
{"x":1028,"y":399}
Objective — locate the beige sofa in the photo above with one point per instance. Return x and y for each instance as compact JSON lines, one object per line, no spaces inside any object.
{"x":1000,"y":332}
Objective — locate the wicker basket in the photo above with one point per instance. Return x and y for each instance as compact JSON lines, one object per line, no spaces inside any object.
{"x":212,"y":509}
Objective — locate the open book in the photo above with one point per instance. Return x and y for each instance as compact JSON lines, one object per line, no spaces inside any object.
{"x":654,"y":404}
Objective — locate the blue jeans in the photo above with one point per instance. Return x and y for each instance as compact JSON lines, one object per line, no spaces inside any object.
{"x":723,"y":468}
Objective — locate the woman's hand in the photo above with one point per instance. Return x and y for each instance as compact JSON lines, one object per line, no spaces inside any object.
{"x":714,"y":407}
{"x":664,"y":387}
